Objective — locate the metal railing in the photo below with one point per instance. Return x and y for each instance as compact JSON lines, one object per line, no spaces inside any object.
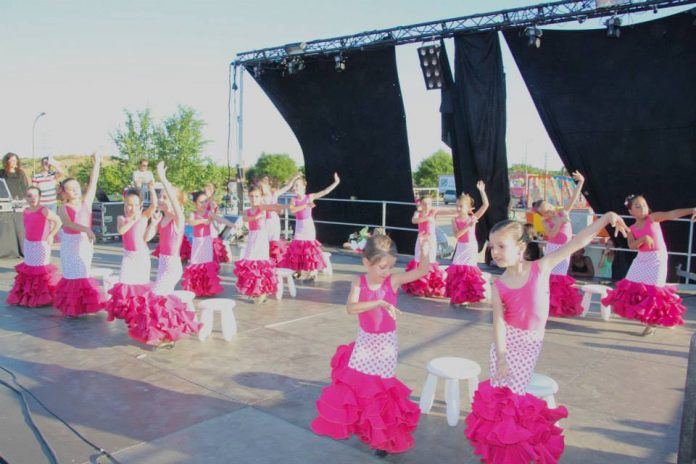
{"x":384,"y":204}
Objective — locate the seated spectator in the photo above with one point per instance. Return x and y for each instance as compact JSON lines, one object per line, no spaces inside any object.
{"x":581,"y":265}
{"x":606,"y":260}
{"x":357,"y":240}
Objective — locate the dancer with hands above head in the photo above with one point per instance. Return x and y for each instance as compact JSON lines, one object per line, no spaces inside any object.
{"x":507,"y":425}
{"x":465,"y":284}
{"x":643,"y":295}
{"x":565,"y":298}
{"x":304,"y":253}
{"x":365,"y":398}
{"x":76,"y":292}
{"x":35,"y":283}
{"x":277,"y":246}
{"x":134,"y":277}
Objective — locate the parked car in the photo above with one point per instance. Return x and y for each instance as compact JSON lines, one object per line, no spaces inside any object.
{"x":450,"y":196}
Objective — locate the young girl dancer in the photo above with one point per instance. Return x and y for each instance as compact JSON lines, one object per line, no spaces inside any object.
{"x":304,"y":253}
{"x":365,"y":398}
{"x":565,"y":299}
{"x":432,"y":284}
{"x":35,"y":283}
{"x":164,"y":318}
{"x":201,"y":275}
{"x":642,"y":295}
{"x":507,"y":425}
{"x":76,"y":292}
{"x":276,"y":244}
{"x":464,"y":281}
{"x":255,"y":272}
{"x":219,"y":251}
{"x":134,"y":278}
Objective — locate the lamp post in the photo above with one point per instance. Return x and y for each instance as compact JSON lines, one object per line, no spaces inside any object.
{"x":33,"y":138}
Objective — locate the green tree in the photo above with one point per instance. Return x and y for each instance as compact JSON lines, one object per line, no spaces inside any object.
{"x":279,"y":167}
{"x":435,"y":165}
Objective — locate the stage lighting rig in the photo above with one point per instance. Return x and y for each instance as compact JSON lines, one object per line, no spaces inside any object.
{"x":613,"y":27}
{"x":429,"y":57}
{"x":533,"y":35}
{"x":340,"y":62}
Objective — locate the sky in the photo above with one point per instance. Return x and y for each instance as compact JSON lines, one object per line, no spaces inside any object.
{"x":85,"y":62}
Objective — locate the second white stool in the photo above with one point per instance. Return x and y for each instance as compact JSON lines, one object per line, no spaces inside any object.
{"x":544,"y":387}
{"x":328,"y":270}
{"x":225,"y":307}
{"x":452,"y":370}
{"x":284,"y":274}
{"x":594,"y":289}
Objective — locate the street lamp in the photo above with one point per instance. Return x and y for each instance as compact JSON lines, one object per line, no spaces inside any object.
{"x":33,"y":130}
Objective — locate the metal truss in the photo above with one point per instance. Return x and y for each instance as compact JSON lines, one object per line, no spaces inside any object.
{"x":536,"y":15}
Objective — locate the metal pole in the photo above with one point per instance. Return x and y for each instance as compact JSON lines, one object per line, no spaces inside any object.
{"x":688,"y":252}
{"x":287,"y":224}
{"x":33,"y":138}
{"x":384,"y":214}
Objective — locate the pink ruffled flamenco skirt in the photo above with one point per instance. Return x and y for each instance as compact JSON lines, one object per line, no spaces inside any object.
{"x":34,"y":286}
{"x":75,"y":297}
{"x":431,"y":285}
{"x":127,"y":300}
{"x":219,"y":251}
{"x":505,"y":428}
{"x":565,"y":299}
{"x":277,"y":250}
{"x":648,"y":304}
{"x":303,"y":255}
{"x":184,"y":250}
{"x":202,"y":279}
{"x":162,"y":318}
{"x":375,"y":409}
{"x":465,"y":284}
{"x":255,"y":277}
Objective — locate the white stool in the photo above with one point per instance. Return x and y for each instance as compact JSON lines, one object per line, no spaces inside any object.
{"x":594,"y":289}
{"x":452,"y":370}
{"x":544,"y":387}
{"x":328,"y":270}
{"x":486,"y":285}
{"x":224,"y":307}
{"x":187,"y":297}
{"x":285,"y":274}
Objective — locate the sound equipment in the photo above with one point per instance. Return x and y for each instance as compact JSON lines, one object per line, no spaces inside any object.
{"x":105,"y":217}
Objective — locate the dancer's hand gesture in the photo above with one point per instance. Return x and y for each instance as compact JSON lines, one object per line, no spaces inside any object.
{"x":391,"y":309}
{"x":501,"y":368}
{"x":90,"y":235}
{"x":336,"y":178}
{"x":578,"y":177}
{"x":618,"y":224}
{"x":480,"y":186}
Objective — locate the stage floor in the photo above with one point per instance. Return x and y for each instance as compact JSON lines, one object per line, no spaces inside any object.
{"x":252,"y":399}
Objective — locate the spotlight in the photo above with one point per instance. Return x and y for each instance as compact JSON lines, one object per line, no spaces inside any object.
{"x":340,"y":62}
{"x":429,"y":58}
{"x":258,"y":70}
{"x":582,"y":19}
{"x":533,"y":35}
{"x":295,"y":48}
{"x":654,"y":9}
{"x":294,"y":66}
{"x":613,"y":27}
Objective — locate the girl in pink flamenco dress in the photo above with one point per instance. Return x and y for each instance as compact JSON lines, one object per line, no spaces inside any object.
{"x":304,"y":253}
{"x":163,"y":318}
{"x":276,"y":245}
{"x":642,"y":295}
{"x":36,"y":279}
{"x":433,"y":283}
{"x":507,"y":425}
{"x":77,"y":293}
{"x":219,"y":250}
{"x":365,"y":398}
{"x":256,"y":277}
{"x":465,"y":284}
{"x":127,"y":296}
{"x":565,"y":299}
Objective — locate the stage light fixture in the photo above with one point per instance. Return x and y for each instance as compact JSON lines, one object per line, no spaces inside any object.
{"x":613,"y":27}
{"x":533,"y":35}
{"x":339,"y":62}
{"x":654,"y":9}
{"x":258,"y":70}
{"x":294,"y":66}
{"x":294,"y":49}
{"x":429,"y":58}
{"x":582,"y":19}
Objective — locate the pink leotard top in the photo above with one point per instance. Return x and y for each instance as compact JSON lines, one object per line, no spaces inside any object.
{"x":134,"y":238}
{"x":565,"y":232}
{"x":305,"y":213}
{"x":35,"y":225}
{"x":652,"y":229}
{"x":527,"y":307}
{"x":426,"y":227}
{"x":169,"y":239}
{"x":269,"y":200}
{"x":201,"y":230}
{"x":83,"y":216}
{"x":255,"y":224}
{"x":377,"y":320}
{"x":470,"y":234}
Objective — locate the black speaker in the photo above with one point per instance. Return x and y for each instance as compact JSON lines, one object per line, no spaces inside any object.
{"x":105,"y":217}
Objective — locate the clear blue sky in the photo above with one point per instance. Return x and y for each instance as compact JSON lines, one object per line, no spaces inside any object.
{"x":84,"y":62}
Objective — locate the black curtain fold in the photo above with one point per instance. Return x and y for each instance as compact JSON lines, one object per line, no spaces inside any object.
{"x":621,"y":111}
{"x":351,"y":122}
{"x":474,"y":123}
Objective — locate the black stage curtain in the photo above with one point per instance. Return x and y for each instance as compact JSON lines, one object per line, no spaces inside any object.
{"x":352,"y":122}
{"x":621,"y":111}
{"x":474,"y":121}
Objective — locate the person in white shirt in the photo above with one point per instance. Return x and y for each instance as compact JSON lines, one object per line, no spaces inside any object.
{"x":142,"y":176}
